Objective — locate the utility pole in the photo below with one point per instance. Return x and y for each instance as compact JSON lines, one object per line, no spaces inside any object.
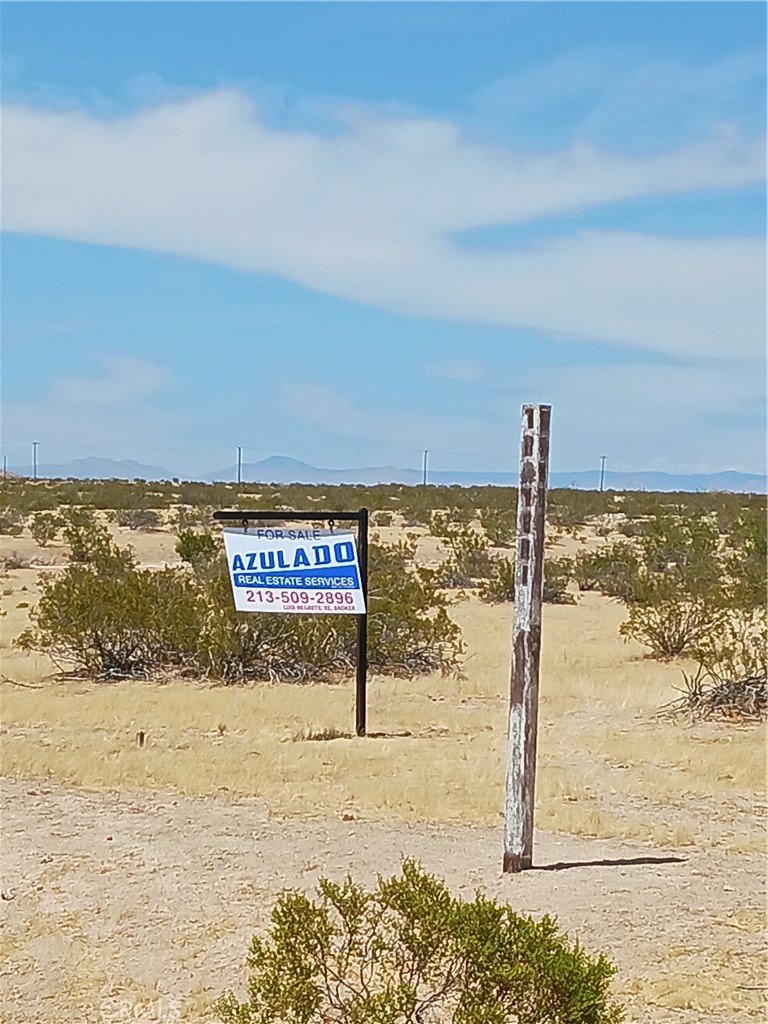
{"x":239,"y":464}
{"x":34,"y":459}
{"x":526,"y":639}
{"x":602,"y":471}
{"x":424,"y":468}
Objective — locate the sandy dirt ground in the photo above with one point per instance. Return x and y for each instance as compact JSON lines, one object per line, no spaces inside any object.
{"x":126,"y":900}
{"x":142,"y":906}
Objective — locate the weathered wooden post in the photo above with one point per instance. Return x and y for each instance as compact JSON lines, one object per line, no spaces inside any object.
{"x":526,"y":639}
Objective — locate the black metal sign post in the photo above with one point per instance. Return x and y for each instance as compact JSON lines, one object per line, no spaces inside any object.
{"x":361,"y":518}
{"x":361,"y":677}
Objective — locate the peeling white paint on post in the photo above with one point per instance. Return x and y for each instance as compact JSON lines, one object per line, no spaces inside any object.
{"x":526,"y":639}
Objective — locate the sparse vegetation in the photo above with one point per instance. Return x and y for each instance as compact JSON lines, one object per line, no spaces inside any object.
{"x":435,"y":749}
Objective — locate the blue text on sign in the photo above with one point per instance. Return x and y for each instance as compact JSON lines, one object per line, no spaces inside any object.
{"x":343,"y":554}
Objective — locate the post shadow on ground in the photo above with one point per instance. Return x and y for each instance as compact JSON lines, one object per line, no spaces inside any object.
{"x":606,"y":862}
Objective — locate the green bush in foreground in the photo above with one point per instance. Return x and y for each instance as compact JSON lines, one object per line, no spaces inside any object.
{"x":411,"y":953}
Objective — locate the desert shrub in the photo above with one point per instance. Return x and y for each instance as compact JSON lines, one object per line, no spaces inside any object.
{"x":500,"y":585}
{"x":13,"y":560}
{"x":125,"y":622}
{"x":730,"y":679}
{"x":195,"y":548}
{"x":669,"y":621}
{"x":449,"y":575}
{"x":191,"y":518}
{"x":78,"y":515}
{"x":612,"y":570}
{"x":688,"y":547}
{"x":738,"y":649}
{"x":11,"y":522}
{"x":745,"y":562}
{"x":571,"y":507}
{"x":382,"y":518}
{"x":558,"y":573}
{"x":417,"y":510}
{"x":138,"y":518}
{"x":634,"y":527}
{"x":679,"y":596}
{"x":92,"y":545}
{"x":409,"y":630}
{"x":44,"y":527}
{"x":107,"y":619}
{"x":500,"y":526}
{"x":409,"y":952}
{"x":469,"y":550}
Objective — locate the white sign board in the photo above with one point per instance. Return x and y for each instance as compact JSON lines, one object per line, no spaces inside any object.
{"x":291,"y":570}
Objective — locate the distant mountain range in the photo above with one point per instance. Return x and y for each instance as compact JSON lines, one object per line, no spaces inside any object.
{"x":282,"y":470}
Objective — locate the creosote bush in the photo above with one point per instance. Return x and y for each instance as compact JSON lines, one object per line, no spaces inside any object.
{"x":138,"y":519}
{"x":409,"y":952}
{"x":44,"y":526}
{"x":680,"y":593}
{"x":106,"y":618}
{"x":499,"y":525}
{"x":558,"y":573}
{"x":500,"y":585}
{"x":469,"y":550}
{"x":11,"y":522}
{"x":195,"y":547}
{"x":612,"y":570}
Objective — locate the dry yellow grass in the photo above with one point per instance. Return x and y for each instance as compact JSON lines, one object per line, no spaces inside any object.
{"x":607,"y":767}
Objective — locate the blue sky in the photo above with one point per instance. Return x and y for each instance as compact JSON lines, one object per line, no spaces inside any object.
{"x":348,"y":232}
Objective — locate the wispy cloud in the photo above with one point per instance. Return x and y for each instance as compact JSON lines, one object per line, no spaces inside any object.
{"x":44,"y":329}
{"x":643,"y":417}
{"x":116,"y":405}
{"x":613,"y":95}
{"x":121,"y":381}
{"x":367,"y":422}
{"x":367,"y":214}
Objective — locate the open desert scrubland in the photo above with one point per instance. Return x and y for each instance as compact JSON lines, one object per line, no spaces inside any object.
{"x":138,"y":874}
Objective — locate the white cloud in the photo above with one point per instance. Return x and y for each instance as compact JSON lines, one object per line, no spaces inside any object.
{"x":367,"y":213}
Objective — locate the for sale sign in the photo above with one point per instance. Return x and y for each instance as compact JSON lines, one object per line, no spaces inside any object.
{"x":287,"y":570}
